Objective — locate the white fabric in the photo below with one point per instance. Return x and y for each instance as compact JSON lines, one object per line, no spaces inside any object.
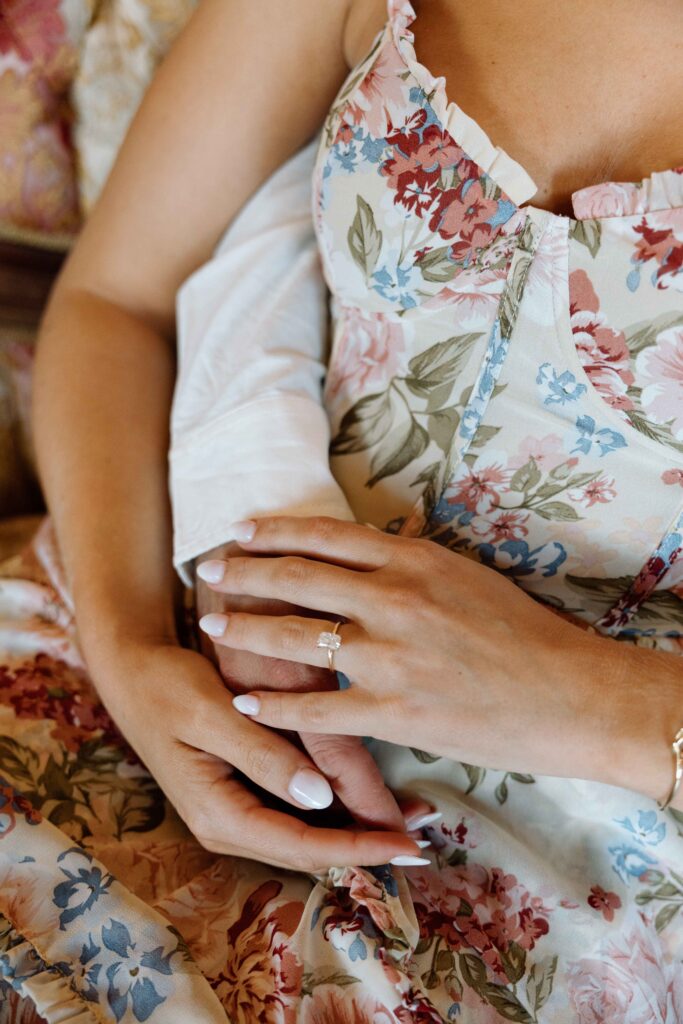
{"x":249,"y":435}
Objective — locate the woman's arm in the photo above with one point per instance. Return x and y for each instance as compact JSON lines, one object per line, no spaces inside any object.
{"x":229,"y":105}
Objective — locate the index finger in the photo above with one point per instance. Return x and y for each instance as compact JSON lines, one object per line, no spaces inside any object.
{"x":333,"y":540}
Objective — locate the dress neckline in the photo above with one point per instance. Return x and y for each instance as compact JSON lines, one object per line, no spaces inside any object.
{"x":662,"y":190}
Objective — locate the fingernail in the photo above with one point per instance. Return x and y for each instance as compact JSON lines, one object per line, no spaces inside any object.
{"x":421,"y":820}
{"x":404,"y":862}
{"x":311,"y":789}
{"x":423,"y":843}
{"x":243,"y":530}
{"x":211,"y":572}
{"x":214,"y":624}
{"x":247,"y":704}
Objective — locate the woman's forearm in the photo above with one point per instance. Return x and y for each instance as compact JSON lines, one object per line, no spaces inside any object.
{"x":103,"y":385}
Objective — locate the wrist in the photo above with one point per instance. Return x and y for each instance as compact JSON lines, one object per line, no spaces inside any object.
{"x":640,"y":712}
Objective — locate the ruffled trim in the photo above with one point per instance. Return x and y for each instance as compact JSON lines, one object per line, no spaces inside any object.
{"x":663,"y":190}
{"x":510,"y":176}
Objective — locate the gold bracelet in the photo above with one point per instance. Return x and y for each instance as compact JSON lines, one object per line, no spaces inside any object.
{"x":677,"y":750}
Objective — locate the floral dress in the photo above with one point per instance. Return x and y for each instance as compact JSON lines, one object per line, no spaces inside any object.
{"x":509,"y":383}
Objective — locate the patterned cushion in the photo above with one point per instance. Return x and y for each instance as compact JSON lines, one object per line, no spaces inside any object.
{"x":38,"y":57}
{"x":122,"y":48}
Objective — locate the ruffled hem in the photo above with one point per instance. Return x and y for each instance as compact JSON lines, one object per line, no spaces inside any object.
{"x":663,"y":190}
{"x":509,"y":175}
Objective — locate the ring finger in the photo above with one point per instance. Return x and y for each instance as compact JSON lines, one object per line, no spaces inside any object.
{"x":290,"y":637}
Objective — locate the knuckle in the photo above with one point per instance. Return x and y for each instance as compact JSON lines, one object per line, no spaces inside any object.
{"x":322,"y":531}
{"x":292,"y":572}
{"x":292,"y":634}
{"x":237,"y":574}
{"x":258,"y":761}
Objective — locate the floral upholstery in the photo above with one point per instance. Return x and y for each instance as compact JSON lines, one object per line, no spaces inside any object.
{"x":72,"y":73}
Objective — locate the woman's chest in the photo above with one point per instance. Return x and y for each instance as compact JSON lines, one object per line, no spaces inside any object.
{"x":577,"y":93}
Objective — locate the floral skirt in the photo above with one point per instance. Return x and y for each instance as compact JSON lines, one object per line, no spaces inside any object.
{"x":547,"y":900}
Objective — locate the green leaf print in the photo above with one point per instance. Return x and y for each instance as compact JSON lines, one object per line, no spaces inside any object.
{"x":475,"y":774}
{"x":666,"y":916}
{"x":539,"y":983}
{"x":512,"y":295}
{"x":325,"y":976}
{"x":506,"y":1003}
{"x":364,"y":238}
{"x":526,"y":477}
{"x":588,"y":233}
{"x":605,"y":590}
{"x":514,"y":962}
{"x":403,"y":449}
{"x":423,"y":756}
{"x":442,"y":427}
{"x":439,"y":364}
{"x":437,"y":266}
{"x":655,"y":431}
{"x":363,"y":425}
{"x":559,"y":510}
{"x":642,"y":335}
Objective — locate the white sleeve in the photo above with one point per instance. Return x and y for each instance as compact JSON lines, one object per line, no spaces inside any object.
{"x":249,"y":435}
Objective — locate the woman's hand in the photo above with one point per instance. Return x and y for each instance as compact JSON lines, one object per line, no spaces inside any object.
{"x":177,"y":715}
{"x":344,"y":760}
{"x":443,"y":653}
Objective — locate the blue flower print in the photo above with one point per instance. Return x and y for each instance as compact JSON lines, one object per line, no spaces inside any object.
{"x":87,"y":973}
{"x":558,"y":388}
{"x":519,"y":560}
{"x":397,"y":283}
{"x":136,"y":976}
{"x":83,"y":887}
{"x":648,"y":830}
{"x":357,"y":949}
{"x":606,"y":440}
{"x":630,"y":862}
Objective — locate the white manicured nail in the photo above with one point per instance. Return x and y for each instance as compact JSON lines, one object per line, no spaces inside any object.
{"x":423,"y":843}
{"x":405,"y":862}
{"x":244,"y":530}
{"x":247,"y":704}
{"x":421,"y":820}
{"x":214,"y":624}
{"x":311,"y":789}
{"x":212,"y":571}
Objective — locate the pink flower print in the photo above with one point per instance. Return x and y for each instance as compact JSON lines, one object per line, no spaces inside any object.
{"x":547,"y":452}
{"x":605,"y":902}
{"x":465,"y":211}
{"x":673,"y":476}
{"x":629,"y":980}
{"x":367,"y":355}
{"x":381,"y":96}
{"x":479,"y":489}
{"x":609,"y":199}
{"x":330,"y":1003}
{"x":660,"y":371}
{"x":602,"y":350}
{"x":601,"y":490}
{"x":503,"y":524}
{"x":438,"y":150}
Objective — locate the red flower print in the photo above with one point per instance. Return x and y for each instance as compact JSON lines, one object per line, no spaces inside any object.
{"x":43,"y":689}
{"x":605,"y":902}
{"x":661,"y":245}
{"x":602,"y":350}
